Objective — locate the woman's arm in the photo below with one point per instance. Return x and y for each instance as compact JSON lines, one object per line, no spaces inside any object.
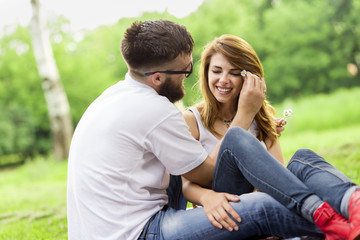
{"x":275,"y":150}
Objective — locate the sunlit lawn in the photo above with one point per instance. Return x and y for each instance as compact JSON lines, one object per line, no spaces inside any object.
{"x":33,"y":201}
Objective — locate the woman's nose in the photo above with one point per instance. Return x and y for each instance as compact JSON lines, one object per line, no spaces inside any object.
{"x":223,"y":79}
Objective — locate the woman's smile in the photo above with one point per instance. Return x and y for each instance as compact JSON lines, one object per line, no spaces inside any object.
{"x":223,"y":91}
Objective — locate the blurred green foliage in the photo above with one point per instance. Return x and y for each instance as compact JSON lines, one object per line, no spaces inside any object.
{"x":322,"y":112}
{"x":305,"y":46}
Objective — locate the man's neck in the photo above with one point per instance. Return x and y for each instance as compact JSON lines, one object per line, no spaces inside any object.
{"x":137,"y":76}
{"x":141,"y":78}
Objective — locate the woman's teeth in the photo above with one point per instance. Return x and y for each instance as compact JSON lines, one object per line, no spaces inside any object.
{"x":224,"y":89}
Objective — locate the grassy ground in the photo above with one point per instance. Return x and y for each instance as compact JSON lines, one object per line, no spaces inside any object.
{"x":33,"y":196}
{"x":33,"y":201}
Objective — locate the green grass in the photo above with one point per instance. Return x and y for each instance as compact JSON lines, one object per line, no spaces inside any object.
{"x":33,"y":201}
{"x":323,"y":112}
{"x":33,"y":196}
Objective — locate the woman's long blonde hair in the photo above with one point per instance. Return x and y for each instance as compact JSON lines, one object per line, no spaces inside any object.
{"x":241,"y":55}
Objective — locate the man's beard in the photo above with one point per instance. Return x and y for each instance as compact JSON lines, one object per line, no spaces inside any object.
{"x":173,"y":92}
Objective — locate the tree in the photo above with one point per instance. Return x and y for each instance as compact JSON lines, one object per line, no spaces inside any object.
{"x":56,"y":99}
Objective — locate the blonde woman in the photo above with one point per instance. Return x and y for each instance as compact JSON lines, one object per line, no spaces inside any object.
{"x":226,"y":64}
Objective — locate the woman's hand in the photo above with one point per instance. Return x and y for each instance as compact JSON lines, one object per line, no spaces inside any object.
{"x":218,"y":210}
{"x":252,"y":94}
{"x":280,"y":123}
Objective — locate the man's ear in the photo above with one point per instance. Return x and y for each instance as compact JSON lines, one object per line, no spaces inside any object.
{"x":157,"y":79}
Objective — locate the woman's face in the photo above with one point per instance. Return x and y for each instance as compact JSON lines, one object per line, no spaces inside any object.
{"x":225,"y":80}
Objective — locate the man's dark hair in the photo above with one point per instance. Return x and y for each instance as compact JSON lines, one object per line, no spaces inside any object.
{"x":152,"y":43}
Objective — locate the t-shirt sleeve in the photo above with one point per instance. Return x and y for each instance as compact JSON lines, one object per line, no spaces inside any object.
{"x":173,"y":145}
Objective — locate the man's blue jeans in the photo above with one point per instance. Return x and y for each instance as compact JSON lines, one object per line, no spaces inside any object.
{"x":261,"y":214}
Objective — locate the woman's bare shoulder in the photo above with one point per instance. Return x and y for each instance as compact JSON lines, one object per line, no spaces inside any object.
{"x":192,"y":123}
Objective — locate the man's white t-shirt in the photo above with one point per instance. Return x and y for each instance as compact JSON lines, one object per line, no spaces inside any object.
{"x":122,"y":151}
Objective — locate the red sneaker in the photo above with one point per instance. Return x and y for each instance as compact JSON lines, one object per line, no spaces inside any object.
{"x":333,"y":225}
{"x":354,"y":216}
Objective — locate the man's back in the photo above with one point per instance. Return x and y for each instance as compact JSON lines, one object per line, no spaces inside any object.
{"x":116,"y":181}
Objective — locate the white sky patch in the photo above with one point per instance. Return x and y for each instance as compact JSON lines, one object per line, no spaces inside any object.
{"x":89,"y":14}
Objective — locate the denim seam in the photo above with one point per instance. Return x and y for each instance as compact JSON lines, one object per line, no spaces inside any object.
{"x":319,"y":167}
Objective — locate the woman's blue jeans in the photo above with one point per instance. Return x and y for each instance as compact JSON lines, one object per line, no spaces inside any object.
{"x":302,"y":187}
{"x":323,"y":179}
{"x":261,"y":214}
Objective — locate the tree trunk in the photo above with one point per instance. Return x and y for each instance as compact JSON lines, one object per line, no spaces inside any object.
{"x":55,"y":96}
